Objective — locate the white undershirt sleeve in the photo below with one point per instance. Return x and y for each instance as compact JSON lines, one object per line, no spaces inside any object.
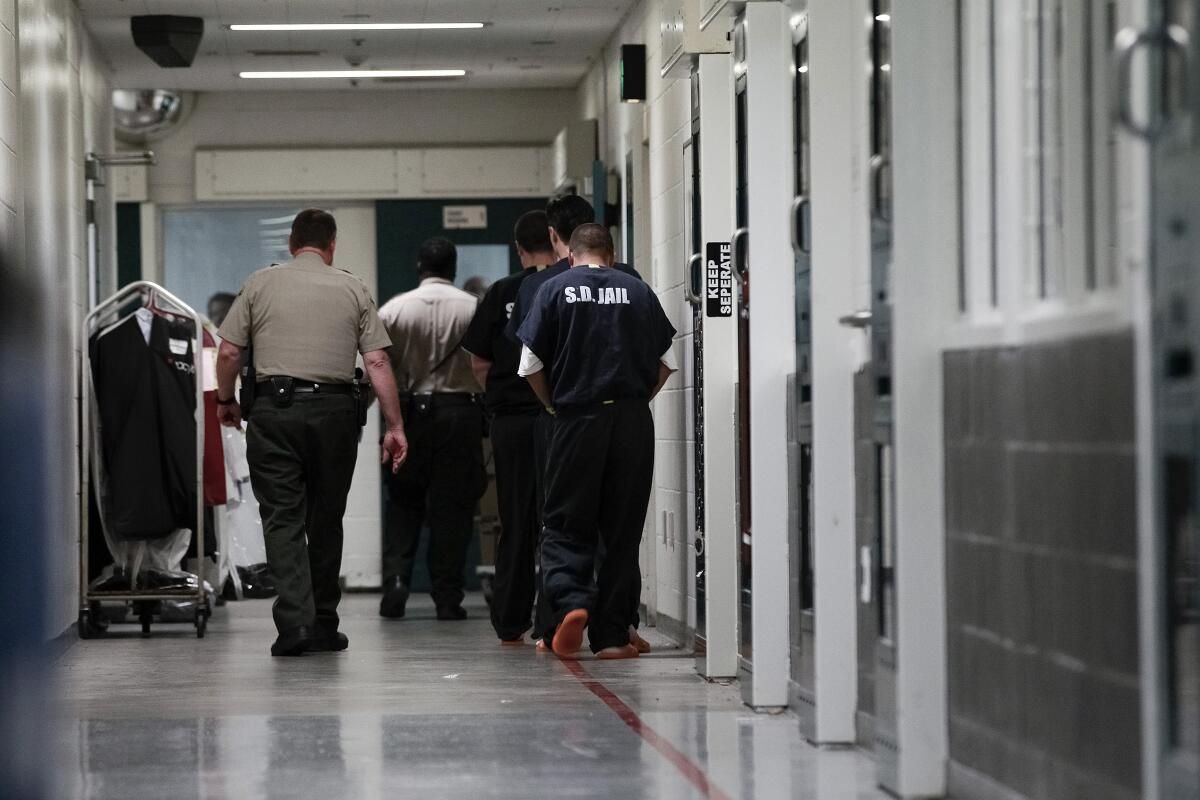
{"x":668,"y":359}
{"x":529,"y":363}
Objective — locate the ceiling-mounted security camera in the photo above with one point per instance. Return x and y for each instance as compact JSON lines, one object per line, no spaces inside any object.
{"x":356,"y":60}
{"x":171,"y":41}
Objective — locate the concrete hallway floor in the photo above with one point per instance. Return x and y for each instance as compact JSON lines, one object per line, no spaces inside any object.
{"x":414,"y":709}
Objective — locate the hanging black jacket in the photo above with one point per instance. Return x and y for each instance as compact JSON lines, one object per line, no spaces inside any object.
{"x":147,"y":398}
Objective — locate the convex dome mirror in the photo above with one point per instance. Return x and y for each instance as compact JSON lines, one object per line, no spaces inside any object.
{"x":146,"y":115}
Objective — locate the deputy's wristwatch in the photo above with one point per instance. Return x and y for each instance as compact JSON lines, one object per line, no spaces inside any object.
{"x":228,"y":402}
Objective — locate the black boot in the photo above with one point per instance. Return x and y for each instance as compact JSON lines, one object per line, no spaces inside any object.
{"x":328,"y":642}
{"x":291,"y":642}
{"x":395,"y":598}
{"x":447,"y":613}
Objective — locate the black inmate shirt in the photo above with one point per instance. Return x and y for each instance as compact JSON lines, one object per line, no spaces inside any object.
{"x":600,"y":334}
{"x":507,"y":392}
{"x":530,"y":288}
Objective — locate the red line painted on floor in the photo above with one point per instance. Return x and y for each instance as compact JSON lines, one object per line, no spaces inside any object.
{"x":692,"y":771}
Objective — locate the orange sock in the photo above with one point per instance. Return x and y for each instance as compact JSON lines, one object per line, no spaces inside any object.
{"x":569,"y":636}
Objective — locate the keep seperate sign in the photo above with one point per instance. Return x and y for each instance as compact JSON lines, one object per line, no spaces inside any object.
{"x":718,"y":280}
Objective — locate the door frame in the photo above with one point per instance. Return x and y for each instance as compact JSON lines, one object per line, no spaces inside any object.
{"x":839,"y":133}
{"x":768,"y":58}
{"x":925,"y":302}
{"x":714,"y":73}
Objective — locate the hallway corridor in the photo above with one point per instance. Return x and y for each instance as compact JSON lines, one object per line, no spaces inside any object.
{"x":419,"y":709}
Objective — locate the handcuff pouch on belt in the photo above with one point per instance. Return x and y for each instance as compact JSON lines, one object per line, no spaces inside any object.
{"x":283,"y":389}
{"x":422,"y":403}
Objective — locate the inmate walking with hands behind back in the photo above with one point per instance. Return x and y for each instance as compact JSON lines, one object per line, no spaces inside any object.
{"x":597,"y":347}
{"x":513,"y":410}
{"x":307,"y":321}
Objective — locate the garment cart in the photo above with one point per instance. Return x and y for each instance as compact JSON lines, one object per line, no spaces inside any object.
{"x":143,"y":602}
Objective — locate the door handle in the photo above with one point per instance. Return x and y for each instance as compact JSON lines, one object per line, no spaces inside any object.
{"x":691,"y":285}
{"x":866,"y":576}
{"x":878,"y":164}
{"x":859,"y":319}
{"x":740,"y":263}
{"x":1173,"y":38}
{"x":799,"y":231}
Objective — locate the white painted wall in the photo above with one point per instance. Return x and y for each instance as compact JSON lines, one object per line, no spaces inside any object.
{"x":349,"y":119}
{"x":54,"y":108}
{"x":363,"y":522}
{"x":666,"y":121}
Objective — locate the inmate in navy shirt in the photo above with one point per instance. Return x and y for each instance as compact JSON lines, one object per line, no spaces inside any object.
{"x":507,"y":392}
{"x":600,"y":334}
{"x":530,"y":288}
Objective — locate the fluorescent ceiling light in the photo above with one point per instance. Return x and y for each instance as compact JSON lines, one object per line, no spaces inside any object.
{"x":357,"y":73}
{"x":361,"y":26}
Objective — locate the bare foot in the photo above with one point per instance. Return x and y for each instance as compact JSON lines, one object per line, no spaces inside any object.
{"x":614,"y":653}
{"x":569,"y":636}
{"x":637,"y":641}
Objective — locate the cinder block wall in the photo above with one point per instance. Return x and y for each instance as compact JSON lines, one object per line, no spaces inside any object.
{"x":55,"y":107}
{"x":1042,"y":570}
{"x":659,"y":128}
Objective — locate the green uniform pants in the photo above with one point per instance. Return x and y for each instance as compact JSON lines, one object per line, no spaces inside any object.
{"x":301,"y":464}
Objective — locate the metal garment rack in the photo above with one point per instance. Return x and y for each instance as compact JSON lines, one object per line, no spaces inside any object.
{"x":89,"y":618}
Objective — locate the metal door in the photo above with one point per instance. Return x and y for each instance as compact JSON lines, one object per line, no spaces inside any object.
{"x":1172,"y":52}
{"x":802,"y":621}
{"x":877,"y":479}
{"x":741,"y":260}
{"x":695,"y":240}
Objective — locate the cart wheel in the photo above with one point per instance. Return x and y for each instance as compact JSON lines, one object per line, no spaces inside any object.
{"x":201,"y":624}
{"x":96,"y":618}
{"x":145,"y":618}
{"x":91,"y":623}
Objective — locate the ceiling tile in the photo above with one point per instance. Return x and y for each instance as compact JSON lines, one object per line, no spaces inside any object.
{"x":527,"y":43}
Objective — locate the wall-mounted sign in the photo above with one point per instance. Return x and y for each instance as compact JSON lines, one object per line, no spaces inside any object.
{"x":718,"y":280}
{"x":464,"y":217}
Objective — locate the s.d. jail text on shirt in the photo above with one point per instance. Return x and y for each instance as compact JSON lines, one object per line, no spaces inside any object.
{"x":604,"y":295}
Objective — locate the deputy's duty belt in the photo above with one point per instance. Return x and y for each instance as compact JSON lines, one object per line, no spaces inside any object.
{"x":425,"y":402}
{"x":264,"y":388}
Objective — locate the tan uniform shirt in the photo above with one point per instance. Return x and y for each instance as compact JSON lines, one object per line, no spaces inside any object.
{"x":306,"y":320}
{"x":426,"y":326}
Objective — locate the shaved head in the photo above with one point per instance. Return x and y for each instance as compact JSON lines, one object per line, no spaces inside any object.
{"x":590,"y":242}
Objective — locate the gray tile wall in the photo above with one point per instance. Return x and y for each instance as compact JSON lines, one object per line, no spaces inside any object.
{"x":1041,"y":567}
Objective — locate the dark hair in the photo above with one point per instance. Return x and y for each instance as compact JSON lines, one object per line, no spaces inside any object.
{"x":592,"y":238}
{"x":222,"y":297}
{"x":439,"y":257}
{"x":532,"y":232}
{"x":313,"y":228}
{"x":567,"y":212}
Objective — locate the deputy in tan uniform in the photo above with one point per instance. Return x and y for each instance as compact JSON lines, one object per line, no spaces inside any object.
{"x":443,"y":410}
{"x":306,"y":321}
